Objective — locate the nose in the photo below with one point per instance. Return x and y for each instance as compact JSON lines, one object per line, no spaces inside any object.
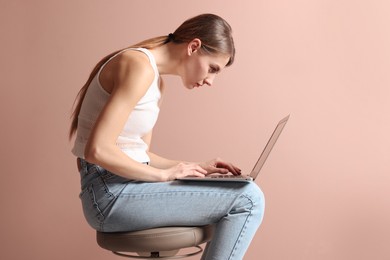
{"x":209,"y":80}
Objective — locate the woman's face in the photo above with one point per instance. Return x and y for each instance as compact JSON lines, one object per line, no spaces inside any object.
{"x":201,"y":69}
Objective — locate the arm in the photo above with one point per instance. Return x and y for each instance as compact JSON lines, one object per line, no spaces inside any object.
{"x":132,"y":76}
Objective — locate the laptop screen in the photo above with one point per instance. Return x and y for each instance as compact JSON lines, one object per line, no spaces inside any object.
{"x":267,"y":149}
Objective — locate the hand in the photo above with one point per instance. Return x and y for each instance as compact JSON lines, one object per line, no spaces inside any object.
{"x":219,"y":166}
{"x":182,"y":170}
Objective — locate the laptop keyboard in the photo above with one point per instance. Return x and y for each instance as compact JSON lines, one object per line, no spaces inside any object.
{"x":225,"y":176}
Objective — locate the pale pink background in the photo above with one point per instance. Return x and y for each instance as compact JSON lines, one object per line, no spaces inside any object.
{"x":324,"y":62}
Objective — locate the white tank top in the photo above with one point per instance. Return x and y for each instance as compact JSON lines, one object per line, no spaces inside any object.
{"x":140,"y":121}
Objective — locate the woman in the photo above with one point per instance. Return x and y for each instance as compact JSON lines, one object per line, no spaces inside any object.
{"x":125,"y":186}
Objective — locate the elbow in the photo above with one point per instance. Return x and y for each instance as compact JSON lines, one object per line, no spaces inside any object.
{"x":93,"y":154}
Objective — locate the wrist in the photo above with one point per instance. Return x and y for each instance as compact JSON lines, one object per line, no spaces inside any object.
{"x":162,"y":175}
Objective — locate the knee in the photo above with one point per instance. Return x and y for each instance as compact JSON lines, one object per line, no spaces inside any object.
{"x":256,"y":195}
{"x":252,"y":199}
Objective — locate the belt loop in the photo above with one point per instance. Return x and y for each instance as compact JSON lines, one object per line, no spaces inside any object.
{"x":79,"y":164}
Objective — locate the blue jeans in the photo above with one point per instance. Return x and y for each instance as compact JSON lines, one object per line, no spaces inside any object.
{"x":112,"y":204}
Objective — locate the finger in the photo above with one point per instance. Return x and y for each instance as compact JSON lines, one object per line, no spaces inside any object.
{"x":233,"y":169}
{"x":200,"y":169}
{"x":195,"y":167}
{"x":236,"y":170}
{"x":217,"y":170}
{"x":227,"y":166}
{"x":196,"y":174}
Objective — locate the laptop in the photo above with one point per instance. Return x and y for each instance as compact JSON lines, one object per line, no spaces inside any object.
{"x":256,"y":169}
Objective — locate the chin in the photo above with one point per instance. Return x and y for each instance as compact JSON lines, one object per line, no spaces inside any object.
{"x":188,"y":86}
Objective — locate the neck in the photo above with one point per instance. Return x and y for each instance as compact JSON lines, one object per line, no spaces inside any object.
{"x":168,"y":58}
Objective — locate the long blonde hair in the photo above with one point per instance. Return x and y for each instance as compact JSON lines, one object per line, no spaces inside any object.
{"x":213,"y":31}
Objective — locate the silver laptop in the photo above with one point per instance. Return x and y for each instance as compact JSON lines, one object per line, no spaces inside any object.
{"x":256,"y":169}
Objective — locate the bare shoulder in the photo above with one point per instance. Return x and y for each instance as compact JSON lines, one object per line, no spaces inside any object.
{"x":134,"y":62}
{"x":128,"y":66}
{"x":133,"y":56}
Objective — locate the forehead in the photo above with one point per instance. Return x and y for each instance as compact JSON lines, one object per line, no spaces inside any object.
{"x":219,"y":59}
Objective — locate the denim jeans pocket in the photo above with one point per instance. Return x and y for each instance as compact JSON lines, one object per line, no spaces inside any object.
{"x":95,"y":202}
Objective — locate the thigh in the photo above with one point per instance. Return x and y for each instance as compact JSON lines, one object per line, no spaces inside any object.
{"x":142,"y":205}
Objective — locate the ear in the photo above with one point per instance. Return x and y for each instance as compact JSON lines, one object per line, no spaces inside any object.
{"x":194,"y":46}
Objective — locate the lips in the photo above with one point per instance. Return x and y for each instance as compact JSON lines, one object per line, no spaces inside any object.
{"x":196,"y":85}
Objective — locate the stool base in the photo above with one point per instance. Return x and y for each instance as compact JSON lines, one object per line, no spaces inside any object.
{"x":160,"y":255}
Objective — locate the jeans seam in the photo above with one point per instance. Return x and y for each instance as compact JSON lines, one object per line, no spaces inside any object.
{"x":242,"y":232}
{"x":102,"y":183}
{"x":173,"y":193}
{"x":96,"y":205}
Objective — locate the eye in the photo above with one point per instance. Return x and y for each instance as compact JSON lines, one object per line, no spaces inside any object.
{"x":213,"y":69}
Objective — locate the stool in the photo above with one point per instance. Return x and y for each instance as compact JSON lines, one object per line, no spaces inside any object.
{"x":163,"y":242}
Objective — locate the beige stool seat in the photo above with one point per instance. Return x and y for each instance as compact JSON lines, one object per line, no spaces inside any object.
{"x":162,"y":242}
